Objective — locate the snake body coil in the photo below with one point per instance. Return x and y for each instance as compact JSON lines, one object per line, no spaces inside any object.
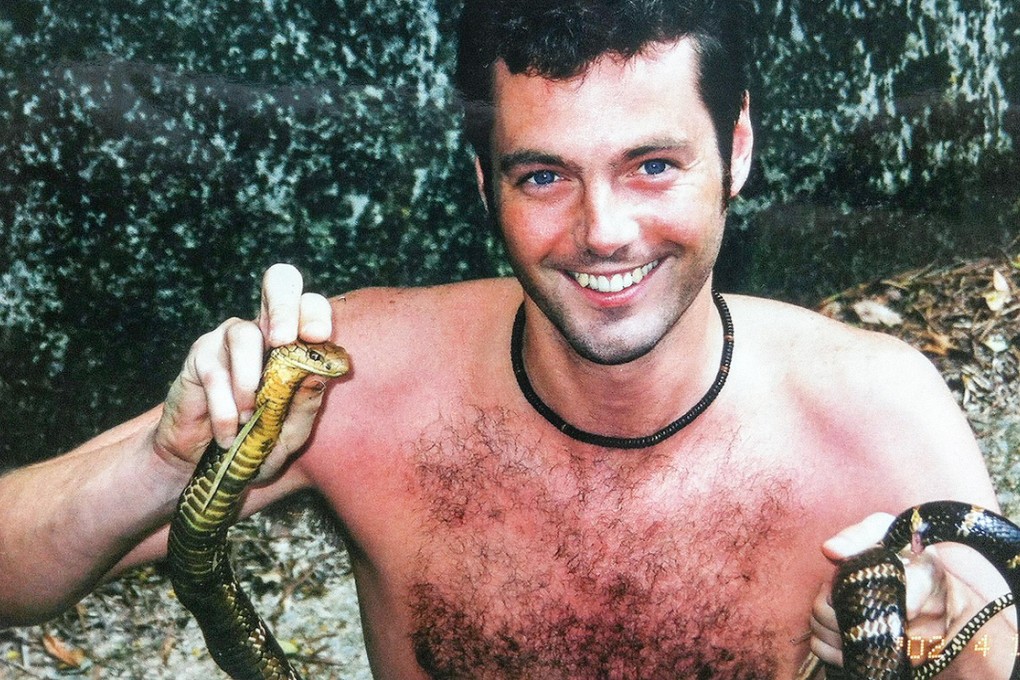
{"x":869,"y":591}
{"x":238,"y":639}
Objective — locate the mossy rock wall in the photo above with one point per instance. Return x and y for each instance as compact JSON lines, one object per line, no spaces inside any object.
{"x":156,"y":156}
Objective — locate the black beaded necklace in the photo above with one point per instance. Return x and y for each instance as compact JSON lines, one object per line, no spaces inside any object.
{"x":517,"y":360}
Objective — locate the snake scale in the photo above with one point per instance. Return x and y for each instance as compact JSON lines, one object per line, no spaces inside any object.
{"x":869,"y":591}
{"x":237,"y":638}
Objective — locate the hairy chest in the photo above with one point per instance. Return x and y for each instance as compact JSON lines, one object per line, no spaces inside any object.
{"x":566,"y":564}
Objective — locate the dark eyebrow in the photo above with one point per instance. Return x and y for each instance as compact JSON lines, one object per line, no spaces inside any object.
{"x":658,"y":146}
{"x":527,"y":157}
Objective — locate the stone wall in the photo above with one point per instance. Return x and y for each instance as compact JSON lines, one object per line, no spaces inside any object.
{"x":157,"y":155}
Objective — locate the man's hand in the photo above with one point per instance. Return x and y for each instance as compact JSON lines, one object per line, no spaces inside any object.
{"x":215,"y":391}
{"x":946,"y":585}
{"x":103,"y":507}
{"x":927,"y":601}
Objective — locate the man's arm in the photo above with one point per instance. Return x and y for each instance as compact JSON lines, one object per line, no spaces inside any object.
{"x":66,"y":522}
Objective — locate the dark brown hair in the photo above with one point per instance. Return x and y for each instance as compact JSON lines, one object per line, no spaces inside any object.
{"x":559,"y":39}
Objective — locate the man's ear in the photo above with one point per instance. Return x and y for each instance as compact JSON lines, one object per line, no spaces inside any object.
{"x":480,"y":178}
{"x":743,"y":144}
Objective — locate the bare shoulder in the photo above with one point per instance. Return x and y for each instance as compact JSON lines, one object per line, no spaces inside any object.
{"x":397,"y":333}
{"x":814,"y":345}
{"x":878,"y":402}
{"x":386,"y":314}
{"x":412,"y":345}
{"x":416,"y":355}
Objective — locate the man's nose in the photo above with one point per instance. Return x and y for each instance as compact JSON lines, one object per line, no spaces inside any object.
{"x":606,"y":223}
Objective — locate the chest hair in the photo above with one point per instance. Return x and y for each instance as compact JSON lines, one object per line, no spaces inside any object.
{"x":576,"y":563}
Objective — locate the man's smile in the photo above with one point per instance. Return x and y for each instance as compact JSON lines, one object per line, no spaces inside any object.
{"x":613,"y":283}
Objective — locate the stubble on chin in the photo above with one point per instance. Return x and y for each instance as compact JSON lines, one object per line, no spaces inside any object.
{"x":616,"y":340}
{"x":599,"y":345}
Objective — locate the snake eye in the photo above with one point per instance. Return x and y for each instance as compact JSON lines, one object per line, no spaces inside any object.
{"x":314,"y":356}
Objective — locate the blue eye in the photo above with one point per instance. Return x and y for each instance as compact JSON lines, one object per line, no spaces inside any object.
{"x":543,"y":177}
{"x":654,"y":167}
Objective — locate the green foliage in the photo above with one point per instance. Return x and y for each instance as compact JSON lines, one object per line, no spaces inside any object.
{"x":157,"y":156}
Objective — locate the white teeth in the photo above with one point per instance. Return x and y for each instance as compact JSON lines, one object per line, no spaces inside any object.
{"x":616,"y":282}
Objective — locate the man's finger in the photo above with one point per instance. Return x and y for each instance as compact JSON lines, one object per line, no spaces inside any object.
{"x":215,"y":382}
{"x":926,"y":595}
{"x":244,"y":349}
{"x":858,"y":537}
{"x":279,"y":316}
{"x":316,"y":321}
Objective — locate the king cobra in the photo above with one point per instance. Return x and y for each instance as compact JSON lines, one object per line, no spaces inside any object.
{"x":869,"y":591}
{"x":237,"y":638}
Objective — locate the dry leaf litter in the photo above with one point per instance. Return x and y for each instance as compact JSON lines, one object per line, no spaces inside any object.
{"x":290,"y":561}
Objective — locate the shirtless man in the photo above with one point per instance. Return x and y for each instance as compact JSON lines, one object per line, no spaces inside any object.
{"x":487,"y":542}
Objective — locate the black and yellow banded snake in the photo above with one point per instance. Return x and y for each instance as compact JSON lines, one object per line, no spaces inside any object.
{"x":237,"y":638}
{"x":869,"y":590}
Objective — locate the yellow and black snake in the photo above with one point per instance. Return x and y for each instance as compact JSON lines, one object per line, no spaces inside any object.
{"x":239,"y":641}
{"x":869,"y":591}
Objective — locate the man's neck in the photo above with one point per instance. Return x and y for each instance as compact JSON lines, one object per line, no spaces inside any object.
{"x":633,"y":399}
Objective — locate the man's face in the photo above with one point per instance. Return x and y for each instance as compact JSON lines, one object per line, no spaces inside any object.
{"x":608,"y":191}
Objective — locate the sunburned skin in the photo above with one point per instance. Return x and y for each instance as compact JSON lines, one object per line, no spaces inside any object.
{"x":579,"y":568}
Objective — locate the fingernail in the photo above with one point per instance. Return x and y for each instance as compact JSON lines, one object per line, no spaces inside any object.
{"x":836,"y":543}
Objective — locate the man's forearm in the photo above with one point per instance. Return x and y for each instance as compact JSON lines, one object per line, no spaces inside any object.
{"x":65,"y":522}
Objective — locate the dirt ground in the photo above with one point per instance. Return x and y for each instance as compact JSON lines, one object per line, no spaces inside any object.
{"x":966,"y":317}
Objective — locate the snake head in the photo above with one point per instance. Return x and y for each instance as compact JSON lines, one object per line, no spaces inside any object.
{"x":917,"y":543}
{"x":918,"y":530}
{"x":323,"y":358}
